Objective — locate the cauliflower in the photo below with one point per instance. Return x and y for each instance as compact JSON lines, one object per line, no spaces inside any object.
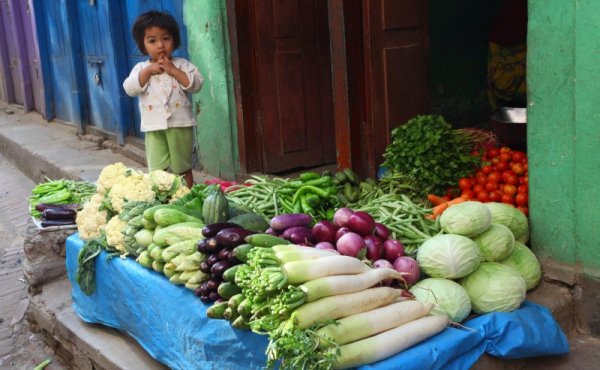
{"x":136,"y":186}
{"x":110,"y":175}
{"x":114,"y":236}
{"x":180,"y":193}
{"x":90,"y":220}
{"x":165,"y":184}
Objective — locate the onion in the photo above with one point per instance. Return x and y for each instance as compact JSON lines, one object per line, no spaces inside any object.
{"x":341,"y":216}
{"x":409,"y":269}
{"x":324,"y":231}
{"x":350,"y":244}
{"x":326,"y":246}
{"x":384,"y":264}
{"x":341,"y":231}
{"x":374,"y":247}
{"x":381,"y":231}
{"x":361,"y":223}
{"x":392,"y":249}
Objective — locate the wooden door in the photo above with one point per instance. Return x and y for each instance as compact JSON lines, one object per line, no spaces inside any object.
{"x":396,"y":68}
{"x":12,"y":33}
{"x":285,"y":72}
{"x":33,"y":55}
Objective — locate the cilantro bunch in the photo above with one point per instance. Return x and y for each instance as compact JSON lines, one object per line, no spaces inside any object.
{"x":429,"y":150}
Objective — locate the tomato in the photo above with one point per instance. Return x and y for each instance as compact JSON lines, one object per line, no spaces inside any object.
{"x":518,"y":156}
{"x":494,"y":177}
{"x":481,"y":180}
{"x":483,"y":196}
{"x":478,"y":188}
{"x":521,"y":199}
{"x":524,"y":210}
{"x":523,"y":188}
{"x":526,"y":166}
{"x":453,"y":192}
{"x":495,"y":196}
{"x":487,"y":169}
{"x":492,"y":152}
{"x":517,"y":168}
{"x":491,"y":186}
{"x":464,"y":183}
{"x":479,"y":173}
{"x":468,"y":193}
{"x":509,"y":189}
{"x":502,"y":166}
{"x":525,"y":180}
{"x":505,"y":157}
{"x":509,"y":177}
{"x":505,"y":149}
{"x":507,"y":199}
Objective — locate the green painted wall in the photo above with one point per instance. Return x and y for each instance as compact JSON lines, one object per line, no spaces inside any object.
{"x":458,"y":32}
{"x":208,"y":41}
{"x":563,"y":129}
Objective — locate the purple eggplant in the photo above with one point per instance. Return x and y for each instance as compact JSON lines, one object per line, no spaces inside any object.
{"x":212,"y":229}
{"x":285,"y":221}
{"x":232,"y":237}
{"x":58,"y":214}
{"x":299,"y":234}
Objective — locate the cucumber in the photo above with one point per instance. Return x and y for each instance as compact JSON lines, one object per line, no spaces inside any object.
{"x":170,"y":216}
{"x":265,"y":240}
{"x":241,"y":252}
{"x":240,"y":323}
{"x":228,"y":290}
{"x":149,"y":213}
{"x":229,"y":274}
{"x":235,"y":301}
{"x":216,"y":310}
{"x":245,"y":308}
{"x":251,"y":221}
{"x":230,"y":314}
{"x":149,"y":224}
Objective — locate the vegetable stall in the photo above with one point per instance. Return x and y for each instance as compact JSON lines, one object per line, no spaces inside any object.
{"x":322,"y":270}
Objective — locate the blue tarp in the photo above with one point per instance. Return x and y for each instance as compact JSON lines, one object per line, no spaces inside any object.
{"x":171,"y":324}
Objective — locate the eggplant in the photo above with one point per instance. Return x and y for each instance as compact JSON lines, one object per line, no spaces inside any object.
{"x":224,"y":254}
{"x":212,"y":285}
{"x":205,"y":299}
{"x":299,"y":234}
{"x":41,"y":207}
{"x":214,"y":296}
{"x":212,"y":229}
{"x":205,"y":267}
{"x":201,"y":246}
{"x":285,"y":221}
{"x":219,"y":268}
{"x":232,"y":237}
{"x":212,"y":259}
{"x":50,"y":223}
{"x":58,"y":214}
{"x":212,"y":245}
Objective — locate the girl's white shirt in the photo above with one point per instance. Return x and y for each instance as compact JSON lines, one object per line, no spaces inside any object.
{"x":163,"y":102}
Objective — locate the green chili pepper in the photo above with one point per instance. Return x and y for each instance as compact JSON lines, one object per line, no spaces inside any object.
{"x":309,"y":176}
{"x":323,"y":193}
{"x":56,"y":197}
{"x":313,"y":200}
{"x":306,"y":208}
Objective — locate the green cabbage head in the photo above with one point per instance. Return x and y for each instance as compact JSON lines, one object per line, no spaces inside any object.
{"x":494,"y":287}
{"x":468,"y":219}
{"x":448,"y":296}
{"x":510,"y":217}
{"x":448,"y":256}
{"x":526,"y":264}
{"x":496,"y":243}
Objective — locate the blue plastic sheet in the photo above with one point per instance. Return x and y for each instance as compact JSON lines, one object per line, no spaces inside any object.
{"x":171,"y":324}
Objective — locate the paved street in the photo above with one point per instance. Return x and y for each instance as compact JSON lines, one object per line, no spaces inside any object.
{"x":20,"y":349}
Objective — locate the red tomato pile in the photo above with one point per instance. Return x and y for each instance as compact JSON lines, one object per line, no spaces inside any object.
{"x":503,"y":178}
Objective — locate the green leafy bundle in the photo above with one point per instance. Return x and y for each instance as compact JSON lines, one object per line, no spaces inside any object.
{"x":429,"y":150}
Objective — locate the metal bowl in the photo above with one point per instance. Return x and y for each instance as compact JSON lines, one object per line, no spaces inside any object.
{"x":510,"y":126}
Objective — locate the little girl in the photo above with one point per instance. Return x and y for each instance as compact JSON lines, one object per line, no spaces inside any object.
{"x":164,"y":84}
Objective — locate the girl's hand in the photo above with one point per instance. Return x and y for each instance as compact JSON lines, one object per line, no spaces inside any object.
{"x":167,"y":65}
{"x":155,"y":68}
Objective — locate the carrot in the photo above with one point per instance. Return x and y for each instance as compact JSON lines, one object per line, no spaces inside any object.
{"x":435,"y":200}
{"x":440,"y":208}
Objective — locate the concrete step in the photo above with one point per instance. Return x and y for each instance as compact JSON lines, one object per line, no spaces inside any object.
{"x":85,"y":346}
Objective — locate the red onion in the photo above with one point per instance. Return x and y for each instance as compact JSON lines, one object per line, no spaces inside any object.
{"x":381,"y":263}
{"x":350,"y":244}
{"x":361,"y":223}
{"x":381,"y":231}
{"x":392,"y":249}
{"x":374,"y":247}
{"x":324,"y":231}
{"x":341,"y":216}
{"x":341,"y":231}
{"x":326,"y":246}
{"x":409,"y":268}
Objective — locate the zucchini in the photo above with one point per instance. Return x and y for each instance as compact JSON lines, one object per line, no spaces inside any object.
{"x":229,"y":274}
{"x":265,"y":240}
{"x":251,"y":221}
{"x":149,"y":213}
{"x":170,"y":216}
{"x":216,"y":310}
{"x":241,"y":252}
{"x":144,"y":237}
{"x":227,"y":289}
{"x":215,"y":207}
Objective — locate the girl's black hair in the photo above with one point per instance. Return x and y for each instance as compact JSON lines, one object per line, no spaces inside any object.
{"x":154,"y":18}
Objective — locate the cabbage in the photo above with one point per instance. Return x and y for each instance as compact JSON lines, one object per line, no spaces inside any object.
{"x":494,"y":287}
{"x":449,"y":297}
{"x":512,"y":218}
{"x":526,"y":264}
{"x":448,"y":256}
{"x":468,"y":219}
{"x":496,"y":243}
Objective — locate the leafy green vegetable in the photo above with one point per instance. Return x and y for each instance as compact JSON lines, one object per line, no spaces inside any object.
{"x":86,"y":264}
{"x":430,"y":150}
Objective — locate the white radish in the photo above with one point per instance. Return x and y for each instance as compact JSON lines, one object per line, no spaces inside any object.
{"x":299,"y":272}
{"x":293,"y":247}
{"x":389,"y":343}
{"x":341,"y":284}
{"x":301,"y":255}
{"x":365,"y":324}
{"x":342,"y":305}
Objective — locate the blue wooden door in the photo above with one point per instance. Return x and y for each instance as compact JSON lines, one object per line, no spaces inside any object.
{"x":131,"y":10}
